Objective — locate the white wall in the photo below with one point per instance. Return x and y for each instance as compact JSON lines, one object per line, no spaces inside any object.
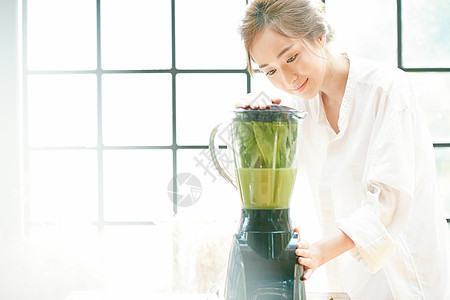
{"x":9,"y":122}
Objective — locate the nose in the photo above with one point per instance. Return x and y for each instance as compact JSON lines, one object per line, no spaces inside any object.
{"x":289,"y":76}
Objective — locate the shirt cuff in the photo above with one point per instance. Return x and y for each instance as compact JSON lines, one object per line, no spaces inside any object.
{"x":374,"y":244}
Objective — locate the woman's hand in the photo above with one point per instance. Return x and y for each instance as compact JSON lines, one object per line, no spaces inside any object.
{"x":330,"y":246}
{"x":309,"y":256}
{"x":256,"y":100}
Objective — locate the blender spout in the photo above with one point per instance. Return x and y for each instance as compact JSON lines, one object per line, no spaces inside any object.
{"x":300,"y":114}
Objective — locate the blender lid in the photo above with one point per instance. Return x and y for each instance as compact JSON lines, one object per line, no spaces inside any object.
{"x":274,"y":108}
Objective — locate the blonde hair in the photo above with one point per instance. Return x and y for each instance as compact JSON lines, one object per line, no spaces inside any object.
{"x":291,"y":18}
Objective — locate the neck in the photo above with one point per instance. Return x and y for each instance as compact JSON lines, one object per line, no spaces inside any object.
{"x":335,"y":80}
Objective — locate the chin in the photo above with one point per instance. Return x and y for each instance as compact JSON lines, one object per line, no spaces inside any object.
{"x":305,"y":95}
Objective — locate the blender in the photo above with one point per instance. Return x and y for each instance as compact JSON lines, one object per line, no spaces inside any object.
{"x":262,"y":262}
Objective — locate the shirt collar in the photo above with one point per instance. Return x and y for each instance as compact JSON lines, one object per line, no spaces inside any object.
{"x":344,"y":110}
{"x":347,"y":100}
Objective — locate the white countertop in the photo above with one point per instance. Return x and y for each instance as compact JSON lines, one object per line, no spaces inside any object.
{"x":89,"y":295}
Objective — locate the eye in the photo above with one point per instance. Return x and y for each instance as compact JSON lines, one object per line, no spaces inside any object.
{"x":292,"y":58}
{"x":271,"y":72}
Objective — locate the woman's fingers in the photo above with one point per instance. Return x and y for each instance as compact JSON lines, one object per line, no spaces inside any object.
{"x":303,"y":245}
{"x":303,"y":253}
{"x":241,"y":103}
{"x":256,"y":100}
{"x":307,"y":262}
{"x":261,"y":102}
{"x":307,"y":257}
{"x":276,"y":101}
{"x":307,"y":274}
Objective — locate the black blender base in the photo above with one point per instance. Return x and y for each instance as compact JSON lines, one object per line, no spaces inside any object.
{"x":263,"y":265}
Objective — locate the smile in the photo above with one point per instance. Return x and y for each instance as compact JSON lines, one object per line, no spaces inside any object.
{"x":302,"y":87}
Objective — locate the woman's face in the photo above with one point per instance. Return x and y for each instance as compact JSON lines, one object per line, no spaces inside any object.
{"x":290,"y":64}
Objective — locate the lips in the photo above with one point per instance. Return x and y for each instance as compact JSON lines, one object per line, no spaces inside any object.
{"x":302,"y":87}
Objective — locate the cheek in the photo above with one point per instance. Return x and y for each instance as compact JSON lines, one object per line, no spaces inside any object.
{"x":316,"y":73}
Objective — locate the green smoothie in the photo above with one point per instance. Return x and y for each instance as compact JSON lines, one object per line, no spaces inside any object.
{"x":266,"y":188}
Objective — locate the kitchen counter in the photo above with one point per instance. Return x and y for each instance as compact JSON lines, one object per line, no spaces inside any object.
{"x":88,"y":295}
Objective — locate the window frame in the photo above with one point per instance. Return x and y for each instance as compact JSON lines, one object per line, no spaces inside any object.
{"x":100,"y":148}
{"x":174,"y":147}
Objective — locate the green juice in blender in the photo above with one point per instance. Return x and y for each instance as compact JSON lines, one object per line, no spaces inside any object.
{"x":266,"y":188}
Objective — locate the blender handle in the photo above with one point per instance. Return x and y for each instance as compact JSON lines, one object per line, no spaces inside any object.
{"x":223,"y":172}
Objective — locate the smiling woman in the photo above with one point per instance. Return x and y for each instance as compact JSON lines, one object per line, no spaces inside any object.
{"x":368,"y":156}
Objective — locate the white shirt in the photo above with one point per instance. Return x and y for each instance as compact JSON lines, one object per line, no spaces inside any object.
{"x":375,"y":180}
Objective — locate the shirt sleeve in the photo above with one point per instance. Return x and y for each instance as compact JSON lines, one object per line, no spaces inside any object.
{"x":388,"y":182}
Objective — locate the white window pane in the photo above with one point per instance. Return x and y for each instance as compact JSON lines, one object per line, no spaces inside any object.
{"x":219,"y":200}
{"x":443,"y":177}
{"x":435,"y":102}
{"x":207,"y":34}
{"x":367,"y":29}
{"x":136,"y":34}
{"x":138,"y":260}
{"x":63,"y":186}
{"x":61,"y":34}
{"x":135,"y":185}
{"x":62,"y":110}
{"x":137,"y":109}
{"x":426,"y":41}
{"x":203,"y":101}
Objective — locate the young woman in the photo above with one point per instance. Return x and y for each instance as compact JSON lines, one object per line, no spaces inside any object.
{"x":367,"y":153}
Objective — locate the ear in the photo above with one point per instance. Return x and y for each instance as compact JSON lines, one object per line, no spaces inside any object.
{"x":321,"y":41}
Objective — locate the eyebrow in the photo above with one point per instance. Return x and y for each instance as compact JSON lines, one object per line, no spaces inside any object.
{"x":279,"y":54}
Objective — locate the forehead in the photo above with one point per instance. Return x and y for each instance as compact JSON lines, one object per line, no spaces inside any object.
{"x":268,"y":44}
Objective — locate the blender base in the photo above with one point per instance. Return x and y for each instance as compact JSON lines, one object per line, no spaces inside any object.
{"x":262,"y":263}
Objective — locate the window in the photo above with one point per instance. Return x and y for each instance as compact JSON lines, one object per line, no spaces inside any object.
{"x":119,"y":98}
